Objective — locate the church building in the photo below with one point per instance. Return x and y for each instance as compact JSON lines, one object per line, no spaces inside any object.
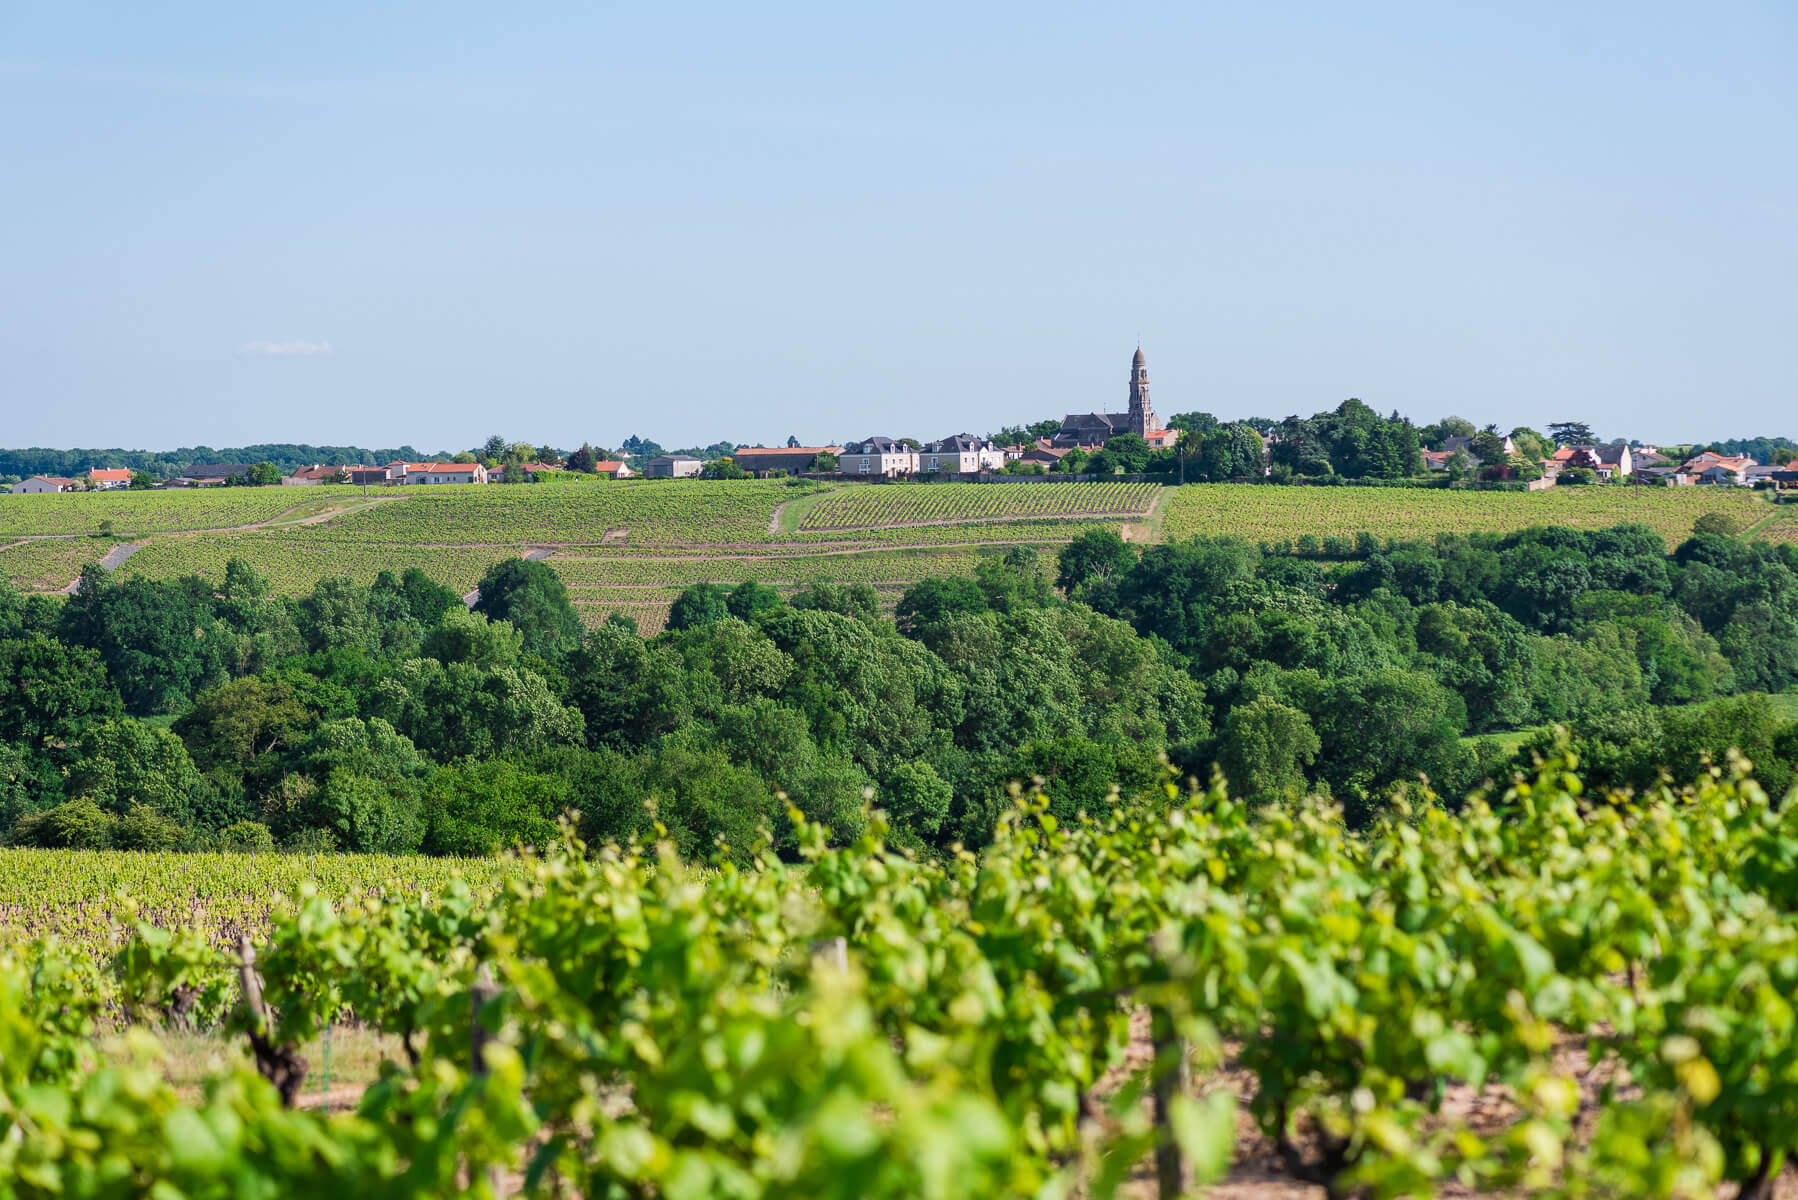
{"x":1093,"y":428}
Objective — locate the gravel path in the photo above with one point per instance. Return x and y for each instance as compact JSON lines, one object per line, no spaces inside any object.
{"x":113,"y":559}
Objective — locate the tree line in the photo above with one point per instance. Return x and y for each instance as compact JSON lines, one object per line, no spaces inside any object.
{"x":168,"y":464}
{"x":390,"y":717}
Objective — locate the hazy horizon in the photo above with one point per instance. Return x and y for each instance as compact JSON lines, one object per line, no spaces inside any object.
{"x":423,"y":225}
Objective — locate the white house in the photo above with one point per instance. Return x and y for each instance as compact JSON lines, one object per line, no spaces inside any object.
{"x":106,"y":479}
{"x":1711,"y":467}
{"x":960,"y":454}
{"x":878,"y":456}
{"x":446,"y":473}
{"x":37,"y":485}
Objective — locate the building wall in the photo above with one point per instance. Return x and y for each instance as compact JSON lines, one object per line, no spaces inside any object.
{"x":879,"y":464}
{"x":445,"y":477}
{"x":34,"y":487}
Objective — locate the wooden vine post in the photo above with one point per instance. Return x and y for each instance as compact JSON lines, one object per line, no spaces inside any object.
{"x":483,"y":993}
{"x":831,"y":952}
{"x":1172,"y":1078}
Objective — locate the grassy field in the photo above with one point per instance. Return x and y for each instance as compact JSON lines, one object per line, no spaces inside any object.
{"x":1270,"y":514}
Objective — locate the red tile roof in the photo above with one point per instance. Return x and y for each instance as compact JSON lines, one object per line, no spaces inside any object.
{"x":110,"y":474}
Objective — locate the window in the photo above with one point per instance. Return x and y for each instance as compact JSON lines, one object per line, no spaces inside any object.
{"x":864,"y":465}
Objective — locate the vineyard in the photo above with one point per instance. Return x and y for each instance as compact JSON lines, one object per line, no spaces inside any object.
{"x":1270,"y":514}
{"x":48,"y":564}
{"x":294,"y":561}
{"x":888,"y":506}
{"x":135,"y":513}
{"x":1782,"y":527}
{"x":644,"y":586}
{"x":652,"y":536}
{"x":88,"y":899}
{"x":1548,"y":994}
{"x":692,"y":511}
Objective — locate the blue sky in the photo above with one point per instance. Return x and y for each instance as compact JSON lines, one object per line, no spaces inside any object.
{"x":427,"y":223}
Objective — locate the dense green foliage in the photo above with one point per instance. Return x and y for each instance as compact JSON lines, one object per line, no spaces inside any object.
{"x":1385,"y":656}
{"x":389,"y":718}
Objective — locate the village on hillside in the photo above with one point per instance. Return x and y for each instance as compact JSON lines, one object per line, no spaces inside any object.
{"x":1352,"y":441}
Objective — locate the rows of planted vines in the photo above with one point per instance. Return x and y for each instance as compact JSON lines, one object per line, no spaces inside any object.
{"x":876,"y":507}
{"x":131,"y":513}
{"x":48,"y":564}
{"x":294,"y":561}
{"x":1783,"y":528}
{"x":874,"y":566}
{"x":683,"y":511}
{"x":646,"y":607}
{"x":1446,"y":1004}
{"x":1263,"y":513}
{"x":88,"y":900}
{"x":955,"y":533}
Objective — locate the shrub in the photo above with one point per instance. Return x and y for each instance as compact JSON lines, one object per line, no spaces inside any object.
{"x":143,"y":828}
{"x":78,"y":825}
{"x":246,"y":835}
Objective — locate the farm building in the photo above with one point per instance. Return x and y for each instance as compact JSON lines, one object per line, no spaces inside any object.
{"x":791,"y":459}
{"x":616,"y":469}
{"x":216,"y":473}
{"x":672,"y":466}
{"x":107,"y":479}
{"x":311,"y":476}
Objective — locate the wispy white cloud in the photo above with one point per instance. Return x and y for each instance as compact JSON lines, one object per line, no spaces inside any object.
{"x":284,"y":349}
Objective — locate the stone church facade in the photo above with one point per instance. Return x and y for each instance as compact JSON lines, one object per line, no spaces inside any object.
{"x":1092,"y":429}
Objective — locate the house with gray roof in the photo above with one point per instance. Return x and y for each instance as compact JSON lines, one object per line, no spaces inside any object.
{"x":878,"y":456}
{"x":960,"y":454}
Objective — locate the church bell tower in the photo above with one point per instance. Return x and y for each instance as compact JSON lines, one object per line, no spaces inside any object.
{"x":1142,"y":417}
